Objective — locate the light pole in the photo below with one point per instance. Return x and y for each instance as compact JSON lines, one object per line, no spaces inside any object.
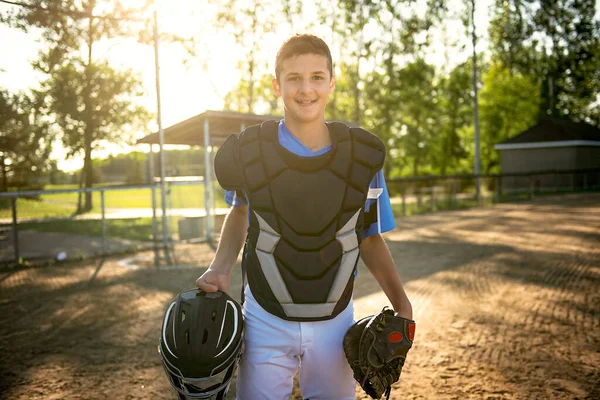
{"x":161,"y":135}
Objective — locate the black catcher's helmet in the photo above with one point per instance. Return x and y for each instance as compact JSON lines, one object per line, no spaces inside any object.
{"x":201,"y":343}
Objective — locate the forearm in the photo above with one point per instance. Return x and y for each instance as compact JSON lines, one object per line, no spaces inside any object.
{"x":378,"y":259}
{"x":233,"y":236}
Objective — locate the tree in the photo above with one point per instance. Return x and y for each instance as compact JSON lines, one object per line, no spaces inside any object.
{"x":25,"y":139}
{"x":556,"y":42}
{"x":249,"y":23}
{"x":509,"y":105}
{"x":455,"y":99}
{"x":90,"y":100}
{"x":92,"y":104}
{"x":264,"y":100}
{"x":342,"y":104}
{"x":418,"y":113}
{"x":402,"y":109}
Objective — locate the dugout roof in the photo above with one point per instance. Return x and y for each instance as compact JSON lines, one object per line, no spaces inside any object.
{"x":553,"y":130}
{"x":221,"y":124}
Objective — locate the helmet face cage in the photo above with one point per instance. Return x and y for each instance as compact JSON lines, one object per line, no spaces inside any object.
{"x":201,"y":343}
{"x":213,"y":388}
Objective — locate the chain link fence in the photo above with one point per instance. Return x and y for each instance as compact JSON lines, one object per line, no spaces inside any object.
{"x":38,"y":226}
{"x":416,"y":195}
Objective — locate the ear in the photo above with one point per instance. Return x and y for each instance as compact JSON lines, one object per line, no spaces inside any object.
{"x":332,"y":84}
{"x":276,"y":87}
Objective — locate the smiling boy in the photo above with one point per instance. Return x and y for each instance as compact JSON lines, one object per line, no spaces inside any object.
{"x":308,"y":198}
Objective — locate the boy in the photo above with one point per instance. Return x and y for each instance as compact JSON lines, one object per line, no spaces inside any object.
{"x":308,"y":197}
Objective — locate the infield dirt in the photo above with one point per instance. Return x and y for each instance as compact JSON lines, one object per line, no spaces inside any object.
{"x":506,"y":299}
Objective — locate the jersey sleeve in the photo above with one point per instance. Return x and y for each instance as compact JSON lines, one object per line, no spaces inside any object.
{"x":379,"y":217}
{"x":235,"y":198}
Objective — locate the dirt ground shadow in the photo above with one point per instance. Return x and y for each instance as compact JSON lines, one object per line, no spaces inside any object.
{"x":506,"y":302}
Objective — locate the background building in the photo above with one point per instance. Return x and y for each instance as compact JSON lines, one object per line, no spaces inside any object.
{"x":568,"y":152}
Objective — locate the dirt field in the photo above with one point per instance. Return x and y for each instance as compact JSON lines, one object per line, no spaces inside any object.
{"x":506,"y":299}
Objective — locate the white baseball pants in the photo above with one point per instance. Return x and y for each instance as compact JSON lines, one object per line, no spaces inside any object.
{"x":275,"y":348}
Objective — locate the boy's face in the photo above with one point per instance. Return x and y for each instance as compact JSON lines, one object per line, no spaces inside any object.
{"x":304,"y":85}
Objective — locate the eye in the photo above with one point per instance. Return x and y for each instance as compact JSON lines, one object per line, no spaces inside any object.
{"x":318,"y":78}
{"x":294,"y":79}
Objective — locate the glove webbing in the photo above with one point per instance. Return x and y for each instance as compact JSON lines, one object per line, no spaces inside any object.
{"x":396,"y":364}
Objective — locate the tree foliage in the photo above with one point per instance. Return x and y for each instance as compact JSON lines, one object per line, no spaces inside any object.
{"x":509,"y":104}
{"x":90,"y":100}
{"x":545,"y":62}
{"x":556,"y":43}
{"x":25,"y":139}
{"x":264,"y":100}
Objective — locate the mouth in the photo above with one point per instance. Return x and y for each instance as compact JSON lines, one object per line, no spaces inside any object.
{"x":306,"y":102}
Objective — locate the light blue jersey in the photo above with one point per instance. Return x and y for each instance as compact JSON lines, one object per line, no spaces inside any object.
{"x":378,"y":192}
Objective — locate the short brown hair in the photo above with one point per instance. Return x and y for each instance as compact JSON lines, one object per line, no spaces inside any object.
{"x":302,"y":44}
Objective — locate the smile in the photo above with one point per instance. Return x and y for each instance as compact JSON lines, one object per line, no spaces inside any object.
{"x":306,"y":102}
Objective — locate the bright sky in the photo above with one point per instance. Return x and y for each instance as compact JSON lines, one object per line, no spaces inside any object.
{"x":185,"y":90}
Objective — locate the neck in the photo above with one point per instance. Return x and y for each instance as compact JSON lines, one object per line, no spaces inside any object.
{"x":314,"y":135}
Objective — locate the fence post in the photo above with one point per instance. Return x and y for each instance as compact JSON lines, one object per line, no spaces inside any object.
{"x":480,"y":196}
{"x":572,"y":182}
{"x":531,"y":187}
{"x":15,"y":230}
{"x":498,"y":182}
{"x":432,"y":196}
{"x":403,"y":203}
{"x":453,"y":193}
{"x":104,"y":241}
{"x":169,"y":207}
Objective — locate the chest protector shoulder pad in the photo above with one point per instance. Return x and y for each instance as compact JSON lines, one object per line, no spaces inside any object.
{"x":306,"y":216}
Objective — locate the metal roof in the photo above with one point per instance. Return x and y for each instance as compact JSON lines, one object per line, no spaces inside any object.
{"x":222,"y":124}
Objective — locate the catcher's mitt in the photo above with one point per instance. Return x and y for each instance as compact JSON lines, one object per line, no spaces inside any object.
{"x":376,"y":347}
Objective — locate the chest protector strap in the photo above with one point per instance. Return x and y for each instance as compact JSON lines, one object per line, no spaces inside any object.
{"x":306,"y":216}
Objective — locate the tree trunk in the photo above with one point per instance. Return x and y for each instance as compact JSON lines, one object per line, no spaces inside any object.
{"x":89,"y":123}
{"x":79,"y":208}
{"x":87,"y":167}
{"x":4,"y":181}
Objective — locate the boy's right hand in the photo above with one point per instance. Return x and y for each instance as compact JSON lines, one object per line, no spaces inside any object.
{"x":213,"y":280}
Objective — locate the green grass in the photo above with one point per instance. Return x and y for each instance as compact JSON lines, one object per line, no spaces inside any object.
{"x":35,"y":209}
{"x":440,"y":205}
{"x":65,"y":204}
{"x":133,"y":229}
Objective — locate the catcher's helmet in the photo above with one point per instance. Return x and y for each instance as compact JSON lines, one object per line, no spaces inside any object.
{"x":201,"y":343}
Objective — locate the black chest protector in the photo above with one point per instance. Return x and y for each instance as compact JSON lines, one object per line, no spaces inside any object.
{"x":306,"y":216}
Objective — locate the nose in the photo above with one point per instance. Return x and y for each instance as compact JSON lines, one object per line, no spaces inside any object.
{"x":305,"y":87}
